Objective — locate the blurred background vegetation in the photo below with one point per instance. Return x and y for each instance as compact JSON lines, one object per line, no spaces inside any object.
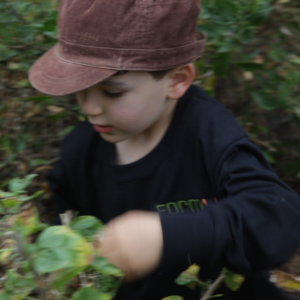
{"x":251,"y":65}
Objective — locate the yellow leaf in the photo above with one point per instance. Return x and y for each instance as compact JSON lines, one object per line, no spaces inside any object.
{"x":285,"y":281}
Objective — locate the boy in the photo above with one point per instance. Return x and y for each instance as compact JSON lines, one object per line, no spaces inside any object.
{"x":156,"y":148}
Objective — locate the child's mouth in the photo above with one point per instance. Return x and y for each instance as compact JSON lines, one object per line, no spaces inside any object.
{"x":102,"y":129}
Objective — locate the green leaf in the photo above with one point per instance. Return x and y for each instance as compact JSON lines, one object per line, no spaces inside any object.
{"x":101,"y":265}
{"x":47,"y":100}
{"x":36,"y":194}
{"x":66,"y":131}
{"x":87,"y":226}
{"x":295,"y":60}
{"x":269,"y":157}
{"x":61,"y":277}
{"x":264,"y":101}
{"x":4,"y":255}
{"x":189,"y":277}
{"x":173,"y":298}
{"x":29,"y":222}
{"x":50,"y":260}
{"x":19,"y":286}
{"x":38,"y":162}
{"x":5,"y":296}
{"x":66,"y":247}
{"x":232,"y":280}
{"x":88,"y":293}
{"x":109,"y":284}
{"x":10,"y":280}
{"x":58,"y":116}
{"x":53,"y":237}
{"x":226,"y":7}
{"x":17,"y":185}
{"x":221,"y":64}
{"x":9,"y":203}
{"x":6,"y":195}
{"x":31,"y":249}
{"x":250,"y":66}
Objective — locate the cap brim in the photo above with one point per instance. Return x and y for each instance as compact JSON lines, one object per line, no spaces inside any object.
{"x":54,"y":76}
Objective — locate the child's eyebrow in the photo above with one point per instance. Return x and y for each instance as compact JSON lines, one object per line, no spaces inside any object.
{"x":114,"y":83}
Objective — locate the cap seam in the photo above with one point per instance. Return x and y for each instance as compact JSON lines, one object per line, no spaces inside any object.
{"x":125,"y":67}
{"x":142,"y":50}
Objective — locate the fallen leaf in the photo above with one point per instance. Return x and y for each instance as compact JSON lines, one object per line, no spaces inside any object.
{"x":42,"y":168}
{"x":285,"y":31}
{"x":258,"y":59}
{"x":248,"y":75}
{"x":55,"y":109}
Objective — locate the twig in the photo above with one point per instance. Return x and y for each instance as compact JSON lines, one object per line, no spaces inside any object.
{"x":66,"y":218}
{"x":21,"y":251}
{"x":213,"y":287}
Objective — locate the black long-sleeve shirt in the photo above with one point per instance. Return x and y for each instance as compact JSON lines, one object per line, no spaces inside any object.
{"x":219,"y":200}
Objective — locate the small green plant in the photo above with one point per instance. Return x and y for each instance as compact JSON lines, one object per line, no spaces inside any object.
{"x":190,"y":279}
{"x":50,"y":262}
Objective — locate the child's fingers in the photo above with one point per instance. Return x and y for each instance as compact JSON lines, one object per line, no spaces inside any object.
{"x":133,"y":242}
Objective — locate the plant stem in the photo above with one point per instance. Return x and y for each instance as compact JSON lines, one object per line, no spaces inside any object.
{"x":213,"y":287}
{"x":16,"y":237}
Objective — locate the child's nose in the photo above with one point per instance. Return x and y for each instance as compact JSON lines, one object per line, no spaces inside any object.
{"x":91,"y":104}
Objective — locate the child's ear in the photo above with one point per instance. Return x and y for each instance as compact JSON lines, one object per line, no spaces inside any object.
{"x":181,"y":79}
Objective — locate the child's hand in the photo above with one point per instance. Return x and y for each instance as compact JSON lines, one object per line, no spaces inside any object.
{"x":134,"y":242}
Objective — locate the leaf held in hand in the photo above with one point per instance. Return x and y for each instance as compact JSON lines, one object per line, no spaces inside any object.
{"x":62,"y":248}
{"x":173,"y":298}
{"x":101,"y":265}
{"x":87,"y":226}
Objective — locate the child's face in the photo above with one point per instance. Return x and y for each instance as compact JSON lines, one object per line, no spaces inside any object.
{"x":129,"y":104}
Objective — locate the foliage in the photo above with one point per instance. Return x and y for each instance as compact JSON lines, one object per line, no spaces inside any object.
{"x":57,"y":262}
{"x":232,"y":27}
{"x":190,"y":279}
{"x":27,"y":29}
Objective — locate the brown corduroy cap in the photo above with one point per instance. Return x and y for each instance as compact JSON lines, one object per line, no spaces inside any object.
{"x":98,"y":38}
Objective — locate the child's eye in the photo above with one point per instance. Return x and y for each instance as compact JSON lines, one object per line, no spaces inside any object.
{"x":113,"y":95}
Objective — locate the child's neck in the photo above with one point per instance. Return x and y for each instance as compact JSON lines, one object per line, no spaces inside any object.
{"x":135,"y":148}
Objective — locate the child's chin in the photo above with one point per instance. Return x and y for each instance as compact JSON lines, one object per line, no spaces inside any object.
{"x":111,"y":138}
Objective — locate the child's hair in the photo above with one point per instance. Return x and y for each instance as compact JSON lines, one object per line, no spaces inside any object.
{"x":157,"y":75}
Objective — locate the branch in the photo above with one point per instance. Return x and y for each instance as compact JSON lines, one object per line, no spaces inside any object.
{"x":213,"y":287}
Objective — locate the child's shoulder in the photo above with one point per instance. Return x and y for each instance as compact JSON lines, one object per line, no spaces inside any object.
{"x":206,"y":104}
{"x":210,"y":116}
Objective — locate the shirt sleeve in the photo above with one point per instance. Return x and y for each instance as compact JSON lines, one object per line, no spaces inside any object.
{"x":255,"y":225}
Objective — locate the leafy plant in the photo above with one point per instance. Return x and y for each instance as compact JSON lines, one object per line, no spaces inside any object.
{"x":190,"y":279}
{"x":57,"y":262}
